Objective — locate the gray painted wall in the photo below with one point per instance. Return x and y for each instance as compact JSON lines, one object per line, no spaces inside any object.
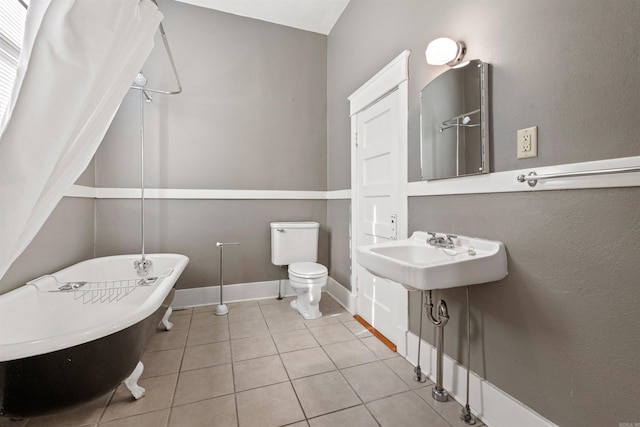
{"x":252,"y":116}
{"x":65,"y":239}
{"x":571,"y":63}
{"x":339,"y":238}
{"x":192,"y":228}
{"x":88,"y":177}
{"x":564,"y":324}
{"x":561,"y":326}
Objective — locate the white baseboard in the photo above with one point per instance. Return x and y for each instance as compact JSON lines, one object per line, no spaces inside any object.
{"x":194,"y":297}
{"x":491,"y":405}
{"x":341,"y":294}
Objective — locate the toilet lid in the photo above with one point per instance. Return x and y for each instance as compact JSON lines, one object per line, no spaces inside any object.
{"x":307,"y":269}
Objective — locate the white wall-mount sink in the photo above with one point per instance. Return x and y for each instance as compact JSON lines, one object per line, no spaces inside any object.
{"x":418,"y":265}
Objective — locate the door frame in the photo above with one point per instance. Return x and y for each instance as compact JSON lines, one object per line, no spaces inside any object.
{"x":393,"y":77}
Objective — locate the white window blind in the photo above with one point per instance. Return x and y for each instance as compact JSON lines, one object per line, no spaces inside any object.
{"x":12,"y":17}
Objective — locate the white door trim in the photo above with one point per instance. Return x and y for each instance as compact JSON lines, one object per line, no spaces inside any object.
{"x":394,"y":75}
{"x":383,"y":82}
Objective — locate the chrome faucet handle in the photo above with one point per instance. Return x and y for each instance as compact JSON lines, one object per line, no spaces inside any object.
{"x":432,"y":238}
{"x":449,"y":240}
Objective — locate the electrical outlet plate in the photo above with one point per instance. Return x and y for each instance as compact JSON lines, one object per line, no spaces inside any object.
{"x":527,"y":142}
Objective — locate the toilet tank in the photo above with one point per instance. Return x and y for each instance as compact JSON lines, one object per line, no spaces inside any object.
{"x":294,"y":242}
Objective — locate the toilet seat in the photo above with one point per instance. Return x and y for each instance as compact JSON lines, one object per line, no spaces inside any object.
{"x":307,"y":270}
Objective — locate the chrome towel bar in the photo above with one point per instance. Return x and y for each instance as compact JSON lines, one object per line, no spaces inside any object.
{"x":532,"y":178}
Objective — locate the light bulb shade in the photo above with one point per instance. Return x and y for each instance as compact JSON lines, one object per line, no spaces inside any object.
{"x":445,"y":51}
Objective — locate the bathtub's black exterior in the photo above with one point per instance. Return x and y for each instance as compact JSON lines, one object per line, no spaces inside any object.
{"x":48,"y":382}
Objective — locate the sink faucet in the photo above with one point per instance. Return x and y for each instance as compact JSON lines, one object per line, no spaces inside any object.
{"x":441,"y":242}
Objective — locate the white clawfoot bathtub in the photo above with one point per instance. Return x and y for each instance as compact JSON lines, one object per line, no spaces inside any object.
{"x":71,"y":336}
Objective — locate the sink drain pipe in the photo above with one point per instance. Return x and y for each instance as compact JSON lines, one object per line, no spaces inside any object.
{"x":438,"y":392}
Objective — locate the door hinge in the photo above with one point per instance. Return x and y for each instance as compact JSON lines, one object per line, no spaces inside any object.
{"x":356,"y":139}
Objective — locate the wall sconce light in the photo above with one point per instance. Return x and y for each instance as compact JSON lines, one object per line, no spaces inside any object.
{"x":445,"y":51}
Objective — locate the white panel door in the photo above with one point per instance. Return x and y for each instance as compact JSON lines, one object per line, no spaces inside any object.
{"x":380,"y":201}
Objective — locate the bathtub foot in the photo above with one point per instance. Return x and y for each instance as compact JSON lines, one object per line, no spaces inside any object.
{"x":165,"y":319}
{"x":132,"y":382}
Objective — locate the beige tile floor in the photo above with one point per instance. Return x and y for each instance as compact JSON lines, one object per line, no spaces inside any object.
{"x":264,"y":365}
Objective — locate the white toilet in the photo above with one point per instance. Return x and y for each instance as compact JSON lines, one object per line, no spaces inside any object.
{"x":296,"y":244}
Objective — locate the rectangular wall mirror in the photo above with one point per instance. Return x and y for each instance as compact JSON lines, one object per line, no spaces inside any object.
{"x":454,"y":127}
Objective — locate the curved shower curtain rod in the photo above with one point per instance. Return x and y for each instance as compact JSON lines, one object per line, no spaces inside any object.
{"x":167,"y":49}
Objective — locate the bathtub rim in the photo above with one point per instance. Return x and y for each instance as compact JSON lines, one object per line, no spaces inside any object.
{"x":34,"y":347}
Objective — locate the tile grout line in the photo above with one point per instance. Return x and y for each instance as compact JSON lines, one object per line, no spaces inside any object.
{"x":110,"y":400}
{"x":233,"y":372}
{"x":113,"y":393}
{"x":304,"y":414}
{"x":295,"y":392}
{"x":364,"y":404}
{"x":306,"y":327}
{"x":104,"y":410}
{"x":184,"y":351}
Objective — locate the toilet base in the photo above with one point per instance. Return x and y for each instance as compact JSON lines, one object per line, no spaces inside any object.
{"x":313,"y":313}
